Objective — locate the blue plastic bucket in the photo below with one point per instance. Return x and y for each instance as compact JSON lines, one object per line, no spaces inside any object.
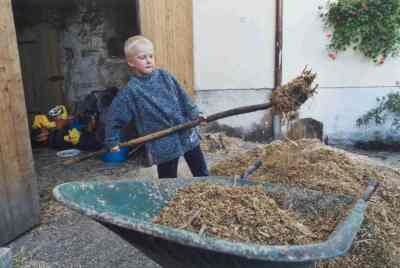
{"x":116,"y":157}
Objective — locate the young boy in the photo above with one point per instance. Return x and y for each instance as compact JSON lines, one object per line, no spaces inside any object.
{"x":154,"y":99}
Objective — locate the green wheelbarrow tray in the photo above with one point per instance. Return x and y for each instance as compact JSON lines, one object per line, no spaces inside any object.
{"x":127,"y":208}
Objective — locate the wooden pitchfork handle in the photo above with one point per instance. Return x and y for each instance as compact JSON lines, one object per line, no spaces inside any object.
{"x":168,"y":131}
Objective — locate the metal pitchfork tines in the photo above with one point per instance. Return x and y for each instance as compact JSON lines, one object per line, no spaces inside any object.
{"x":250,"y":170}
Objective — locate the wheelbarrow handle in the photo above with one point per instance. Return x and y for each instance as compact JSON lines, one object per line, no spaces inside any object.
{"x":371,"y":189}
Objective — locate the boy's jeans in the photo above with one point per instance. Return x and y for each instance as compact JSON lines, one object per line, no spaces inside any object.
{"x":194,"y":159}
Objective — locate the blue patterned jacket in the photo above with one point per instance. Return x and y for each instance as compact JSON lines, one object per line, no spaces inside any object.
{"x":154,"y":102}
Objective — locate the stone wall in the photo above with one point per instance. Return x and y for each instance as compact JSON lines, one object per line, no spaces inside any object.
{"x":92,"y":44}
{"x":91,"y":38}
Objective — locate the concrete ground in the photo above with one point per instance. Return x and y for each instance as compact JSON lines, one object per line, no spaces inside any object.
{"x":5,"y":258}
{"x":66,"y":238}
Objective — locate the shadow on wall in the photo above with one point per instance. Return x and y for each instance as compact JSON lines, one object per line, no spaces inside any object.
{"x":256,"y":133}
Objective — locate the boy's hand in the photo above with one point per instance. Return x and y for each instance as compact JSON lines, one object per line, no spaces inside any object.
{"x":203,"y":120}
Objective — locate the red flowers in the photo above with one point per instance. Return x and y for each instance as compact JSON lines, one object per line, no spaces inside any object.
{"x":332,"y":55}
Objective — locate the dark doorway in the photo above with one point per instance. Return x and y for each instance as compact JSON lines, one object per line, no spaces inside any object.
{"x":71,"y":48}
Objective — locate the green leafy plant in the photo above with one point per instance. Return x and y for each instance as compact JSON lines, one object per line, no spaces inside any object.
{"x":371,"y":27}
{"x":388,"y":108}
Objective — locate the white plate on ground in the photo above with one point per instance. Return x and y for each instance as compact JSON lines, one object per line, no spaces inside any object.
{"x":68,"y":153}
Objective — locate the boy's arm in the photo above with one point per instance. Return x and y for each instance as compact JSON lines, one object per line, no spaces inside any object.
{"x":119,"y":116}
{"x":186,"y":101}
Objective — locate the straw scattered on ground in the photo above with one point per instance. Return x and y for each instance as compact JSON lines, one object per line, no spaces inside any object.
{"x":218,"y":143}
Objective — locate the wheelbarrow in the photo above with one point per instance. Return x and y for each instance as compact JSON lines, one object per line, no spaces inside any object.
{"x":127,"y":208}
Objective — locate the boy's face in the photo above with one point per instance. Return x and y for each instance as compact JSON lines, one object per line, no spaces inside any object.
{"x":142,"y":59}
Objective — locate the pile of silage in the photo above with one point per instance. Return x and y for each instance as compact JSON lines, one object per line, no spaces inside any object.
{"x":313,"y":165}
{"x":245,"y":214}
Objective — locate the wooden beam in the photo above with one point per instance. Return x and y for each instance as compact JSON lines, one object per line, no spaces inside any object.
{"x":18,"y":189}
{"x":169,"y":24}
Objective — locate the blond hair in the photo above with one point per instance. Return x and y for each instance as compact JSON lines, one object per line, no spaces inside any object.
{"x":133,"y":42}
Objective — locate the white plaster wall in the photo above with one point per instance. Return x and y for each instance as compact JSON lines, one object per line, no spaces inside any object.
{"x":305,"y":43}
{"x":339,"y":108}
{"x":234,"y":44}
{"x":349,"y":85}
{"x":215,"y":101}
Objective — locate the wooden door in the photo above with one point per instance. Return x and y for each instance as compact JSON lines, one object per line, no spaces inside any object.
{"x":41,"y":68}
{"x":19,"y":206}
{"x":169,"y":24}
